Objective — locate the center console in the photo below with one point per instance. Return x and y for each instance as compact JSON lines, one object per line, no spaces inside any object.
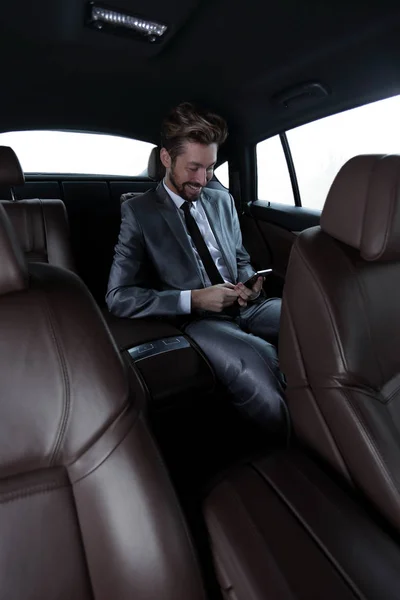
{"x":171,"y":365}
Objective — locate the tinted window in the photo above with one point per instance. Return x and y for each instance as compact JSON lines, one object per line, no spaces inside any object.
{"x":80,"y":153}
{"x":320,"y":149}
{"x":273,"y":177}
{"x":222,"y":174}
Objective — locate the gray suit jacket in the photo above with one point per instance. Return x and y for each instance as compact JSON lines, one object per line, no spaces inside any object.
{"x":154,"y":259}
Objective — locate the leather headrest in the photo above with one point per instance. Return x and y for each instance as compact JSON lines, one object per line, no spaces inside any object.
{"x":363,"y":207}
{"x":11,"y":172}
{"x":13,"y":271}
{"x":155,"y":168}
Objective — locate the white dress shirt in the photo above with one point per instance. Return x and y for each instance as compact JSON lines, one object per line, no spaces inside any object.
{"x":199,"y":214}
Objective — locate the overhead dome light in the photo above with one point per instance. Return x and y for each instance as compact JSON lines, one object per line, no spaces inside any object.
{"x":105,"y":19}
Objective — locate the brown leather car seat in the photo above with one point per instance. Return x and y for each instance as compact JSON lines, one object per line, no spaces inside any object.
{"x":41,"y":225}
{"x":86,"y":507}
{"x":340,"y":331}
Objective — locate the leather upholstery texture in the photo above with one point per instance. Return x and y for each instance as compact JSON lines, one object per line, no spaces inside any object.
{"x":13,"y":273}
{"x":42,"y":230}
{"x":11,"y":173}
{"x":363,"y":207}
{"x":280,"y":529}
{"x":340,"y":331}
{"x":86,"y":507}
{"x":155,"y":168}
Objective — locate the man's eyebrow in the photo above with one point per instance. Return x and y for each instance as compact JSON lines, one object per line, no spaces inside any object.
{"x":196,"y":164}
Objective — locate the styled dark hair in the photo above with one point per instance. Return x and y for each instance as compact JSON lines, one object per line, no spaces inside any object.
{"x":188,"y":123}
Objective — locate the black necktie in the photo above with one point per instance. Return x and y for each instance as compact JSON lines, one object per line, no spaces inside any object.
{"x":211,"y":269}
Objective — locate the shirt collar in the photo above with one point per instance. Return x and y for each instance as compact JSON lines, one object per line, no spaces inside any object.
{"x":177,"y":200}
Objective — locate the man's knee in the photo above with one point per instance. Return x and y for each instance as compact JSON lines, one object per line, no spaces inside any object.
{"x":234,"y":353}
{"x":264,"y":320}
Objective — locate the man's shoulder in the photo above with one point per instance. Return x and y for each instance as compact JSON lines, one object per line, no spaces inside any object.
{"x":140,"y":202}
{"x":218,"y":195}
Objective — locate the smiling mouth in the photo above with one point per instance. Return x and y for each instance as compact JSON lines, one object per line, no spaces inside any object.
{"x":195,"y":188}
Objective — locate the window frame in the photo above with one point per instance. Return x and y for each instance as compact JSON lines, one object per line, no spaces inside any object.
{"x":290,"y":165}
{"x":291,"y":168}
{"x":288,"y":154}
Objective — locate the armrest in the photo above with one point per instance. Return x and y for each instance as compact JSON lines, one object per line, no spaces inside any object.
{"x":128,"y":333}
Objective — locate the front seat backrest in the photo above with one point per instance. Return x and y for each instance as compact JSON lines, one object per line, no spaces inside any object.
{"x":340,"y":331}
{"x":86,"y":508}
{"x":41,"y":225}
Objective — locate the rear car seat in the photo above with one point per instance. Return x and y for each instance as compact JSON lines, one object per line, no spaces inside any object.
{"x":41,"y":225}
{"x":280,"y":528}
{"x":156,"y":172}
{"x":42,"y":231}
{"x":86,"y":508}
{"x":157,"y":346}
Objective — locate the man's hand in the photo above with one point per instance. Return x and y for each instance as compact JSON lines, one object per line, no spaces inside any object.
{"x":214,"y":298}
{"x":245,"y":295}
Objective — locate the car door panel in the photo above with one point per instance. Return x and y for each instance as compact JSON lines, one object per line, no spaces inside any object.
{"x":279,"y":241}
{"x":269,"y":231}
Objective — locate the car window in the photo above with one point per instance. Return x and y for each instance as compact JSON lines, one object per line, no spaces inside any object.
{"x":222,"y":174}
{"x":80,"y":153}
{"x":273,"y":177}
{"x":320,"y":149}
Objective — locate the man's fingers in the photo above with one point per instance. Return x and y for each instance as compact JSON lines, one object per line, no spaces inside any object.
{"x":243,"y":291}
{"x":242,"y":302}
{"x":231,"y":293}
{"x":258,"y":285}
{"x":228,"y":285}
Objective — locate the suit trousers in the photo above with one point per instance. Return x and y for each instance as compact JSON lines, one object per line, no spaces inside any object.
{"x":243,"y":352}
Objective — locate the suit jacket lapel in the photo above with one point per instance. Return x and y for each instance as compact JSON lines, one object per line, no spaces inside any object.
{"x":169,"y":212}
{"x":214,"y":218}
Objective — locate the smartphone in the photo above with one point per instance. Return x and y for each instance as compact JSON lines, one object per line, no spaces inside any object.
{"x":251,"y":281}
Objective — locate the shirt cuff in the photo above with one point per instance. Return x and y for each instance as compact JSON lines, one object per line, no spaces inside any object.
{"x":185,"y":303}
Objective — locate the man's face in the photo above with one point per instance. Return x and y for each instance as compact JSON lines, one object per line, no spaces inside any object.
{"x":192,"y":169}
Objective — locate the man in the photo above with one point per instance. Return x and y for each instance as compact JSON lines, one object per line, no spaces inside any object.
{"x":180,"y":252}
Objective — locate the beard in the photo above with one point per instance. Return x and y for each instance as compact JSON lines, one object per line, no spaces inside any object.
{"x":187,"y":190}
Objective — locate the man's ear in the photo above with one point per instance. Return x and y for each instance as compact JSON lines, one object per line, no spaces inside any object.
{"x":165,"y":158}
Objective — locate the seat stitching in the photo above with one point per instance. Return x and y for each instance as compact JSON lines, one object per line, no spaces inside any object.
{"x":371,"y":442}
{"x":392,"y":207}
{"x":392,"y":395}
{"x":324,"y":423}
{"x":303,"y":522}
{"x":124,"y":411}
{"x":30,"y":491}
{"x":43,"y":214}
{"x":28,"y":229}
{"x":66,"y":388}
{"x":364,"y":297}
{"x":315,"y":280}
{"x":355,"y":274}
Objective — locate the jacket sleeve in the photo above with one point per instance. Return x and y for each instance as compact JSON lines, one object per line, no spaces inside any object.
{"x":245,"y":269}
{"x":130,"y":290}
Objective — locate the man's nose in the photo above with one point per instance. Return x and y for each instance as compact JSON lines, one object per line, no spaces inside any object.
{"x":201,"y":177}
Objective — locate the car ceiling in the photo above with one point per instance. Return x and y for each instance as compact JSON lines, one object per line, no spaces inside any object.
{"x":231,"y":56}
